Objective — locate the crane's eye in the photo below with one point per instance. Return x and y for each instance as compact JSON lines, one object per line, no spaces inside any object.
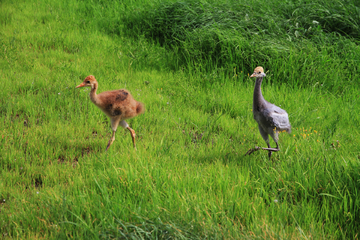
{"x":87,"y":81}
{"x":259,"y":72}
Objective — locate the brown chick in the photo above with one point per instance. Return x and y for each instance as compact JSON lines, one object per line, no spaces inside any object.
{"x":119,"y":105}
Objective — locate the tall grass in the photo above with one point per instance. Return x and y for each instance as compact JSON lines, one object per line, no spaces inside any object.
{"x":189,"y":63}
{"x":232,"y":34}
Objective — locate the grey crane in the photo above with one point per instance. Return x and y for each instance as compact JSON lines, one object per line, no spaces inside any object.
{"x":270,"y":118}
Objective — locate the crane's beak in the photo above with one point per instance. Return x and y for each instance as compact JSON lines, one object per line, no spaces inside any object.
{"x":258,"y":75}
{"x":80,"y":85}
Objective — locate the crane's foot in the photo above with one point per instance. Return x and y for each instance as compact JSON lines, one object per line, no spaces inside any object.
{"x":260,"y":148}
{"x":252,"y":150}
{"x":271,"y":149}
{"x":132,"y":132}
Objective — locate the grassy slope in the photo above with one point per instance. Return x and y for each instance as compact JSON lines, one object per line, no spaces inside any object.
{"x":189,"y":176}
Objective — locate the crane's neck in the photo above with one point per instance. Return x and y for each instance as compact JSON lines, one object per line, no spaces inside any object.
{"x":258,"y":97}
{"x":93,"y":95}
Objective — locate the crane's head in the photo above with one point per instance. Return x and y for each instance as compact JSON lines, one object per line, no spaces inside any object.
{"x":258,"y":72}
{"x":88,"y":82}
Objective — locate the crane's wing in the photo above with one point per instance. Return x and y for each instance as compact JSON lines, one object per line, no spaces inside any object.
{"x":278,"y":118}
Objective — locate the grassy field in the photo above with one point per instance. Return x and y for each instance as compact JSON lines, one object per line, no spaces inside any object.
{"x":189,"y":63}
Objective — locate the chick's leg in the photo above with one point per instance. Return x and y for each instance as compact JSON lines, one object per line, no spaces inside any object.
{"x":114,"y":125}
{"x":132,"y":131}
{"x":112,"y":139}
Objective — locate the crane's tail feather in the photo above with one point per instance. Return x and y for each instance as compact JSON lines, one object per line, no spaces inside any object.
{"x":140,"y":108}
{"x":288,"y":130}
{"x":284,"y":129}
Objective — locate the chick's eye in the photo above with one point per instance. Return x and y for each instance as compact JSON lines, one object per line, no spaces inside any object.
{"x":87,"y":81}
{"x":259,"y":72}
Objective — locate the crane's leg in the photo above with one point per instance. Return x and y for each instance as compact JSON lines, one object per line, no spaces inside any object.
{"x":271,"y":150}
{"x":132,"y":132}
{"x":266,"y":138}
{"x":114,"y":125}
{"x":112,"y":139}
{"x":275,"y":136}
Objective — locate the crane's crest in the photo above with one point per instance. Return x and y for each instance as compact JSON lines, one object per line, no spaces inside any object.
{"x":90,"y":77}
{"x":258,"y":69}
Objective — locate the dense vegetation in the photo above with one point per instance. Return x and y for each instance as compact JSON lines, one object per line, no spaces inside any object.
{"x":188,"y":62}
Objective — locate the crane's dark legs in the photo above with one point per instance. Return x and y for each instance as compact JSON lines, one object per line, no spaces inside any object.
{"x":266,"y":138}
{"x":267,"y":149}
{"x":270,"y":152}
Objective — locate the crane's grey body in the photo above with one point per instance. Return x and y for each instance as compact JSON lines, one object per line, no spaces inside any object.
{"x":270,"y":118}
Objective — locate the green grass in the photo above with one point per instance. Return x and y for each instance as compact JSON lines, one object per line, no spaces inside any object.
{"x":189,"y":178}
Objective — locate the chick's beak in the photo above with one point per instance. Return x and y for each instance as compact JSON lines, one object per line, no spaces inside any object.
{"x":253,"y":75}
{"x":80,"y":85}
